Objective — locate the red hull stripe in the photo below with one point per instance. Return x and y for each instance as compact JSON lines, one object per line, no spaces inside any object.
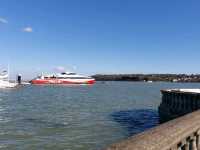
{"x":42,"y":81}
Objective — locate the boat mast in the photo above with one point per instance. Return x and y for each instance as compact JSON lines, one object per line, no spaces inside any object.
{"x":8,"y":72}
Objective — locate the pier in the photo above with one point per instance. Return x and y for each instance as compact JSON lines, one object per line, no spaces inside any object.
{"x":181,"y":133}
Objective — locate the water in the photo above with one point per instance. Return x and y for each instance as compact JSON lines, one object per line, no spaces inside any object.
{"x":78,"y":117}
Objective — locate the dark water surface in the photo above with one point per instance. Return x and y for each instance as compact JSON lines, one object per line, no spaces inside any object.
{"x":78,"y":117}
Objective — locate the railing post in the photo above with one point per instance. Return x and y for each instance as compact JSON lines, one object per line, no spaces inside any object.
{"x":187,"y":146}
{"x":181,"y":103}
{"x":179,"y":147}
{"x":198,"y":139}
{"x":194,"y":145}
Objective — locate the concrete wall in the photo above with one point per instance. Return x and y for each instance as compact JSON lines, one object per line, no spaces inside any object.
{"x":177,"y":103}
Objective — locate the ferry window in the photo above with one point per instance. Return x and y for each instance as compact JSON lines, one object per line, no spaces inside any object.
{"x":53,"y":77}
{"x":61,"y":77}
{"x":74,"y":78}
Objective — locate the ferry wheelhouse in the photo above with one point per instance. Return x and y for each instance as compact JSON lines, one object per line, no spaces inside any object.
{"x":63,"y":78}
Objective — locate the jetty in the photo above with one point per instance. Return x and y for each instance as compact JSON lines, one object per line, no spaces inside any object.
{"x":180,"y":128}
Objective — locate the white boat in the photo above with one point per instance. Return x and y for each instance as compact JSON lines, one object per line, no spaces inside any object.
{"x":4,"y":81}
{"x":7,"y":84}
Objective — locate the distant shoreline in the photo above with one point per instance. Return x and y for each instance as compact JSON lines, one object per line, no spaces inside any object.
{"x":148,"y":77}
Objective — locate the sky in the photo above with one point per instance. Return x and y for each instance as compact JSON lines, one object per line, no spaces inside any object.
{"x":100,"y":36}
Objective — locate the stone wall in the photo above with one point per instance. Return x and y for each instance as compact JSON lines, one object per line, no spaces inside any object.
{"x":176,"y":103}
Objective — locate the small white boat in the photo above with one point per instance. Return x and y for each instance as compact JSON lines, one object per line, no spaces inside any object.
{"x":4,"y":81}
{"x":7,"y":84}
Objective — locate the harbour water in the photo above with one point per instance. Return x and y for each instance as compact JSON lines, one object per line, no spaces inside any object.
{"x":78,"y":117}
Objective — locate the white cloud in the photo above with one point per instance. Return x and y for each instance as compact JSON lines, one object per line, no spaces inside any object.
{"x":64,"y":69}
{"x":28,"y":29}
{"x":74,"y":67}
{"x":2,"y":20}
{"x":60,"y":68}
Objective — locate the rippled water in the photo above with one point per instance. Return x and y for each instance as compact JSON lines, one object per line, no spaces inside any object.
{"x":78,"y":117}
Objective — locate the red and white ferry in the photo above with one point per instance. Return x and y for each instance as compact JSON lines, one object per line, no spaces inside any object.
{"x":63,"y":78}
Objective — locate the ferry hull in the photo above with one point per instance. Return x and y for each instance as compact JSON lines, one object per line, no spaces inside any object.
{"x":56,"y":81}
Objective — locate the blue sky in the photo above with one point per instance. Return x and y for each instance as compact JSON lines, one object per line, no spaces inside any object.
{"x":100,"y":36}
